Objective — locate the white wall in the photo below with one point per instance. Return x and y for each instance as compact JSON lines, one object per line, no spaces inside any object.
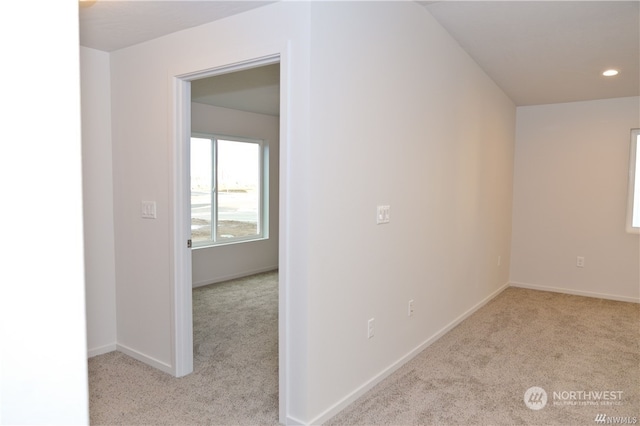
{"x":43,"y":367}
{"x":571,"y":173}
{"x":214,"y":264}
{"x":401,"y":116}
{"x":143,"y":135}
{"x":98,"y":201}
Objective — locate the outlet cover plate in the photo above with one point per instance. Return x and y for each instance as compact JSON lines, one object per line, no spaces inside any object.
{"x":383,"y":214}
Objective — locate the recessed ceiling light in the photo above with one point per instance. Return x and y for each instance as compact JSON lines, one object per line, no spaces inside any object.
{"x":610,"y":73}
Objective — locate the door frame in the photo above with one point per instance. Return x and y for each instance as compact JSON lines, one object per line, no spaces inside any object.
{"x":182,"y":314}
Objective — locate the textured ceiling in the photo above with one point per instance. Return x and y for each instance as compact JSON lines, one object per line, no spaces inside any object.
{"x":542,"y":52}
{"x":538,"y":52}
{"x":113,"y":24}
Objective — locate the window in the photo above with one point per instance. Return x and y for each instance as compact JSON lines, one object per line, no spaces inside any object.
{"x":633,"y":209}
{"x":228,"y":201}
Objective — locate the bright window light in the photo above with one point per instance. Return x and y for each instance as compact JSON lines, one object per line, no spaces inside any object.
{"x":228,"y":200}
{"x":633,"y":209}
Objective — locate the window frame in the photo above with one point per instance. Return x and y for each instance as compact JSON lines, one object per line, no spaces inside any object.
{"x":633,"y":202}
{"x":263,"y":197}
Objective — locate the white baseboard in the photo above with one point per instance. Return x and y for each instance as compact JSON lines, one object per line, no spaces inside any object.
{"x":234,"y":276}
{"x":133,"y":354}
{"x":146,"y":359}
{"x":101,"y":350}
{"x":293,"y":421}
{"x":575,"y":292}
{"x":352,"y":397}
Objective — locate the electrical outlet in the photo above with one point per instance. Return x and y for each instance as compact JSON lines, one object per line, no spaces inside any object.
{"x":410,"y":312}
{"x":580,"y":262}
{"x":499,"y":260}
{"x":370,"y":328}
{"x":383,"y":214}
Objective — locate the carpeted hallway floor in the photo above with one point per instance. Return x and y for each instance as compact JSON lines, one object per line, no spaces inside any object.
{"x":476,"y":374}
{"x":235,"y":378}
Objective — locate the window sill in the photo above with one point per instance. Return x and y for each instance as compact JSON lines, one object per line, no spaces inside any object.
{"x":229,"y":243}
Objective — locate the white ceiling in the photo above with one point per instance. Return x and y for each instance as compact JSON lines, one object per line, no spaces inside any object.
{"x":114,"y":24}
{"x":538,"y":52}
{"x":543,"y":52}
{"x":252,"y":90}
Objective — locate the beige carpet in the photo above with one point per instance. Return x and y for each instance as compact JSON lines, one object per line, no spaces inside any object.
{"x":235,"y":378}
{"x":476,"y":374}
{"x":479,"y":372}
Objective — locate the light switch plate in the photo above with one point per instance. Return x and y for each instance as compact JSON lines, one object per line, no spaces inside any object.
{"x":148,"y":209}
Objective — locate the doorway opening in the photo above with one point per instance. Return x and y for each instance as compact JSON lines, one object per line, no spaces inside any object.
{"x":232,"y":103}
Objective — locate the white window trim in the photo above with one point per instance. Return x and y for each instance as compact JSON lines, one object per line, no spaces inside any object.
{"x":263,"y":213}
{"x":634,"y":176}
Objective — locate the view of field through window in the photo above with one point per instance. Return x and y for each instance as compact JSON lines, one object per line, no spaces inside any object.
{"x":225,"y":190}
